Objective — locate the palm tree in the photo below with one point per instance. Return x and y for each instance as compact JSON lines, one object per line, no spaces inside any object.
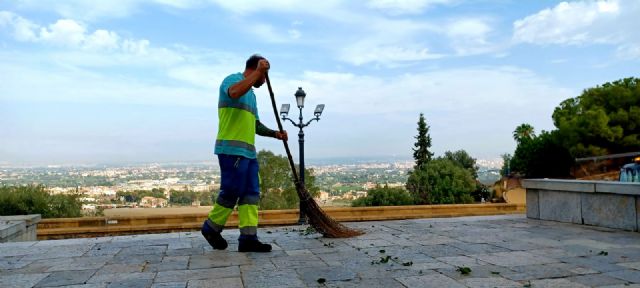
{"x":524,"y":131}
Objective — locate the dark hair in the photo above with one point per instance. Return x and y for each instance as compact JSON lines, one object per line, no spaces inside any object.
{"x":252,"y":62}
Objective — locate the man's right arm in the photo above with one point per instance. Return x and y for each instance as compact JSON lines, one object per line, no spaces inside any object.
{"x":237,"y":90}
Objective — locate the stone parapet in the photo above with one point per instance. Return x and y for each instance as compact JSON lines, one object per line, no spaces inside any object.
{"x":62,"y":228}
{"x":19,"y":228}
{"x":598,"y":203}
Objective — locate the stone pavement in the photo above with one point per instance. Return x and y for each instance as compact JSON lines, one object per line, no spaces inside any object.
{"x":486,"y":251}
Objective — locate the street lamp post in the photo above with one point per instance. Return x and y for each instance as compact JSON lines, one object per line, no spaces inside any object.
{"x":284,"y":111}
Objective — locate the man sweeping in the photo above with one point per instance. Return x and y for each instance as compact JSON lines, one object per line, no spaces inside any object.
{"x":238,"y":125}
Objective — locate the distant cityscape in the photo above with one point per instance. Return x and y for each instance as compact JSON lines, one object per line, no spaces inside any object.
{"x":102,"y":186}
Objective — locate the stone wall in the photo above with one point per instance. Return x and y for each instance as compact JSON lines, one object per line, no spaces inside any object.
{"x":19,"y":228}
{"x":597,"y":203}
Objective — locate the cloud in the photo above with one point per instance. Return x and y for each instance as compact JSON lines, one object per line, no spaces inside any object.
{"x":91,"y":11}
{"x":271,"y":34}
{"x":398,"y":7}
{"x":68,"y":33}
{"x":390,"y":42}
{"x":22,"y":29}
{"x":483,"y":103}
{"x":583,"y":23}
{"x":64,"y":32}
{"x":469,"y":36}
{"x":29,"y":81}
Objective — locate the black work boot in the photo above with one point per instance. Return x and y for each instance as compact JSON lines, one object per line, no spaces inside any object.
{"x":213,"y":237}
{"x":253,"y":245}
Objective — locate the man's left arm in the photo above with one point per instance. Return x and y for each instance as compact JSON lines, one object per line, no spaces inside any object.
{"x":264,"y":131}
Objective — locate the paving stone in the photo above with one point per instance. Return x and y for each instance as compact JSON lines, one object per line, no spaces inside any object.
{"x":431,"y":280}
{"x":179,"y":244}
{"x":9,"y":263}
{"x":518,"y":245}
{"x":515,"y":258}
{"x":298,"y":261}
{"x":622,"y":286}
{"x":564,"y":251}
{"x":76,"y":263}
{"x":460,"y":261}
{"x":365,"y":243}
{"x":91,"y":285}
{"x":168,"y":263}
{"x":170,"y":285}
{"x":369,"y":283}
{"x":478,"y":248}
{"x":13,"y":245}
{"x":272,"y":278}
{"x":596,"y":280}
{"x":593,"y":263}
{"x":66,"y":278}
{"x":144,"y":250}
{"x":555,"y":283}
{"x":296,"y":244}
{"x":214,"y":283}
{"x":136,"y":259}
{"x":632,"y":265}
{"x":133,"y":283}
{"x":185,"y":252}
{"x":311,"y":275}
{"x":388,"y":271}
{"x":199,"y":274}
{"x":301,"y":252}
{"x":21,"y":280}
{"x":61,"y":264}
{"x":59,"y":252}
{"x":632,"y":276}
{"x":218,"y":259}
{"x":531,"y":272}
{"x":434,"y":239}
{"x":442,"y":250}
{"x":120,"y":268}
{"x":431,"y":265}
{"x":116,"y":277}
{"x":476,"y":272}
{"x":97,"y":251}
{"x":491,"y":282}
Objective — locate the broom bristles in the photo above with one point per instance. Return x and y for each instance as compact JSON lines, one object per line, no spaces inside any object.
{"x":322,"y":222}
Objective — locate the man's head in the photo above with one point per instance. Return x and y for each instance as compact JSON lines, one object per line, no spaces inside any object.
{"x":252,"y":64}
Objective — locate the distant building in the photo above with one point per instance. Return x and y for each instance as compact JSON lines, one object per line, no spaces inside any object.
{"x":153,"y":202}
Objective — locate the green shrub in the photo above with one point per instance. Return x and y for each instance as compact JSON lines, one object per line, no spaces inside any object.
{"x":22,"y":200}
{"x":384,"y":196}
{"x":441,"y":181}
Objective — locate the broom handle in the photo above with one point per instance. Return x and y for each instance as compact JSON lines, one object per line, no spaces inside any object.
{"x":286,"y":145}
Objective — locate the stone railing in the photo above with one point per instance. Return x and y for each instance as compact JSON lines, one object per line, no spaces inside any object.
{"x":597,"y":203}
{"x":18,"y":228}
{"x":107,"y":226}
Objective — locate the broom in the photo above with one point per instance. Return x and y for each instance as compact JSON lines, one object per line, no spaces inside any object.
{"x":318,"y":219}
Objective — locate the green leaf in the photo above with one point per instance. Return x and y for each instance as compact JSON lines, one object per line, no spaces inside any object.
{"x":464,"y":270}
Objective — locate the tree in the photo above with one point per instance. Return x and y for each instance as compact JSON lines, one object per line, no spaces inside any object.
{"x":542,"y":157}
{"x":277,"y":190}
{"x":182,"y":197}
{"x":602,"y":120}
{"x":441,"y":181}
{"x":384,"y":196}
{"x":522,"y":132}
{"x":506,"y":161}
{"x":462,"y":159}
{"x":421,"y":152}
{"x":23,"y":200}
